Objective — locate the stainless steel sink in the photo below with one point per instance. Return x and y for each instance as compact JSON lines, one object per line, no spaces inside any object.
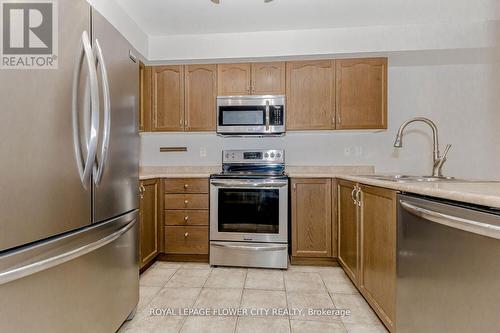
{"x":415,"y":179}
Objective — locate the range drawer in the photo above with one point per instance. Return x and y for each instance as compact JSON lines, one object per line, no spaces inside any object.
{"x":186,"y":240}
{"x":186,"y":217}
{"x":186,"y":201}
{"x":186,"y":185}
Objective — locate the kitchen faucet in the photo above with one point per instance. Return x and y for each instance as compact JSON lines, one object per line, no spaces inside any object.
{"x":438,"y":159}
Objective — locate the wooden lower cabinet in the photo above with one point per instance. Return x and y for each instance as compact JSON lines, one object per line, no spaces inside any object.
{"x":348,"y":228}
{"x":186,"y":216}
{"x":186,"y":240}
{"x":312,"y":228}
{"x":367,"y":244}
{"x":149,"y":221}
{"x":378,"y":255}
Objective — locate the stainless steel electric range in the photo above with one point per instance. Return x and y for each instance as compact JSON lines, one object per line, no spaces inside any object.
{"x":249,"y":210}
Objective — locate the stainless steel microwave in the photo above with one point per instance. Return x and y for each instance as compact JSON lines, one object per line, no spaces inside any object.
{"x":262,"y":115}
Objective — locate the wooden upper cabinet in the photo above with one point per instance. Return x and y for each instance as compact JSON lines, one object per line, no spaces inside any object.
{"x":378,"y":256}
{"x":310,"y":91}
{"x":234,"y":79}
{"x":268,"y":78}
{"x":348,"y":229}
{"x":168,"y":98}
{"x":311,"y":217}
{"x":201,"y":94}
{"x":149,"y":223}
{"x":144,"y":117}
{"x":361,"y":93}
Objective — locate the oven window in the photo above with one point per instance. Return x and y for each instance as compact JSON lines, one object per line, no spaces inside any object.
{"x":249,"y":210}
{"x":241,"y":115}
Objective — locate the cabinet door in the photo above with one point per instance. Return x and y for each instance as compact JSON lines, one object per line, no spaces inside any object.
{"x":348,"y":233}
{"x":310,"y":95}
{"x":362,"y":93}
{"x":312,"y":217}
{"x":168,"y":98}
{"x":378,"y":249}
{"x":233,"y":79}
{"x":268,"y":78}
{"x":201,"y":94}
{"x":145,"y":102}
{"x":148,"y":232}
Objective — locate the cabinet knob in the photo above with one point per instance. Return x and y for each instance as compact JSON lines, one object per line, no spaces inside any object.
{"x":186,"y":218}
{"x":186,"y":202}
{"x":186,"y":234}
{"x":186,"y":186}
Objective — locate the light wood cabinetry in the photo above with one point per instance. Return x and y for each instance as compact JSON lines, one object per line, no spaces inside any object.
{"x":200,"y":94}
{"x":378,"y":255}
{"x":186,"y":216}
{"x":321,"y":94}
{"x":312,"y":232}
{"x":168,"y":98}
{"x":145,"y":91}
{"x":361,"y":93}
{"x":149,"y":228}
{"x":266,"y":78}
{"x":310,"y":91}
{"x":348,"y":228}
{"x":234,"y":79}
{"x":367,"y":244}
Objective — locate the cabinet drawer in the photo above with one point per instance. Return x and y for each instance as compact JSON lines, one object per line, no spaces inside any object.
{"x":186,"y":201}
{"x":186,"y":217}
{"x":186,"y":240}
{"x":186,"y":185}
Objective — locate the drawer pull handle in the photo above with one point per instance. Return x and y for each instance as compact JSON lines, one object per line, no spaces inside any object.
{"x":186,"y":234}
{"x":186,"y":218}
{"x":186,"y":186}
{"x":186,"y":202}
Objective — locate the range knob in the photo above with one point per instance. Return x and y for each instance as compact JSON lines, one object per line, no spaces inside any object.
{"x":227,"y":155}
{"x":278,"y":155}
{"x":266,"y":155}
{"x":272,"y":155}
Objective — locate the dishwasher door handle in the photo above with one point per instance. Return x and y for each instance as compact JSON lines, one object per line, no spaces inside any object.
{"x":483,"y":229}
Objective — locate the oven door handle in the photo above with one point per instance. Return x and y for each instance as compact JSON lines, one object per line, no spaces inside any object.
{"x":267,"y":116}
{"x":252,"y":248}
{"x":249,"y":185}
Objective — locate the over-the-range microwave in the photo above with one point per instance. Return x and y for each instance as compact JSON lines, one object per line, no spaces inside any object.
{"x":262,"y":115}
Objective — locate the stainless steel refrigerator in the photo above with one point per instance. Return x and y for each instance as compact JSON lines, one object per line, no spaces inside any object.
{"x":69,"y":156}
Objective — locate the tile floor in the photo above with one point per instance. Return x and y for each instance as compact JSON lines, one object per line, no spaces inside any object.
{"x":175,"y":286}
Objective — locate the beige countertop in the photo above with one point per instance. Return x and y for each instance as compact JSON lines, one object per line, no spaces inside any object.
{"x":479,"y":193}
{"x":149,"y":172}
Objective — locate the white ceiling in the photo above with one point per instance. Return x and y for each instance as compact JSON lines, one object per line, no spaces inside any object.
{"x":178,"y":17}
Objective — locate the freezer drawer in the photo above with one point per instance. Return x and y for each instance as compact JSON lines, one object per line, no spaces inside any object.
{"x":82,"y":282}
{"x":447,"y":268}
{"x":262,"y":255}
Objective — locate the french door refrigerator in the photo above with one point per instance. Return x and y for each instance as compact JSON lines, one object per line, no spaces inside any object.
{"x":68,"y":183}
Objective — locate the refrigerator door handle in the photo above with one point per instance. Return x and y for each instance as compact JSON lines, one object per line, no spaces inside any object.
{"x":59,"y":257}
{"x":103,"y":155}
{"x":85,"y":167}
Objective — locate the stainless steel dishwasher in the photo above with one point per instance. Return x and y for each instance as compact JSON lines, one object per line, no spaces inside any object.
{"x":448,"y":267}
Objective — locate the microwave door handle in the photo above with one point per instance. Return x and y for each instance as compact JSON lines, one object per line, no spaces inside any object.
{"x":267,"y":116}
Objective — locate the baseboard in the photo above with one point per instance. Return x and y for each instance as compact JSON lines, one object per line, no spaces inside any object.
{"x":314,"y":261}
{"x":183,"y":257}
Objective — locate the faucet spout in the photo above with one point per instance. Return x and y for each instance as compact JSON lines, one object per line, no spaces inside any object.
{"x":438,"y":160}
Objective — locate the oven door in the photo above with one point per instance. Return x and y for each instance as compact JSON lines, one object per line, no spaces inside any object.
{"x":254,"y":210}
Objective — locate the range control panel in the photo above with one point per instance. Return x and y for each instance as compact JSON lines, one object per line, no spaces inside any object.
{"x":268,"y":156}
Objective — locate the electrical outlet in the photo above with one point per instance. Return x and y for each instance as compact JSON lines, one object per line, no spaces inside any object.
{"x":358,"y":151}
{"x":203,"y":152}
